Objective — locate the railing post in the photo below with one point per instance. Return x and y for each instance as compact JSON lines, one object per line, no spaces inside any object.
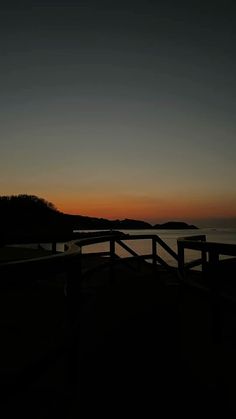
{"x":213,"y":278}
{"x":181,"y":258}
{"x":204,"y":256}
{"x":74,"y":273}
{"x":213,"y":258}
{"x":112,"y":258}
{"x":154,"y":257}
{"x":154,"y":252}
{"x":112,"y":248}
{"x":204,"y":260}
{"x":54,"y":247}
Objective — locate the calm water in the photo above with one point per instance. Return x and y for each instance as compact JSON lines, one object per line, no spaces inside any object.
{"x":223,"y":235}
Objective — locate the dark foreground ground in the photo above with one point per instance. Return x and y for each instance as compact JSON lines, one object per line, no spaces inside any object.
{"x":147,"y":345}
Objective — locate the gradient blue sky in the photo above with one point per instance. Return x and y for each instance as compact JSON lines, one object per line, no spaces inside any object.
{"x":121,"y":109}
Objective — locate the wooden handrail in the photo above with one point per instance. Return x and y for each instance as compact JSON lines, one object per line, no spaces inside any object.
{"x":56,"y":262}
{"x":210,"y":251}
{"x":70,"y":263}
{"x":198,"y":242}
{"x":81,"y":243}
{"x":200,"y":237}
{"x":127,"y":248}
{"x":220,"y":248}
{"x":166,"y":247}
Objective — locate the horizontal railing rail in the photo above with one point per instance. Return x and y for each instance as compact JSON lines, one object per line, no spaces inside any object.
{"x":218,"y":276}
{"x":183,"y":243}
{"x":69,"y":262}
{"x":121,"y":241}
{"x":61,"y":261}
{"x":210,"y":252}
{"x":24,"y":272}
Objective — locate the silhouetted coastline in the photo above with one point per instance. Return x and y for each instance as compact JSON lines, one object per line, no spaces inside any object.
{"x":175,"y":225}
{"x":23,"y":217}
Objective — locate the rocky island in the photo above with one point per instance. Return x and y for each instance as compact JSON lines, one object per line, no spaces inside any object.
{"x":175,"y":225}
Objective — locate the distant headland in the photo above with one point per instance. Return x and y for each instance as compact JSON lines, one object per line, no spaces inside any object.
{"x":175,"y":225}
{"x":30,"y":215}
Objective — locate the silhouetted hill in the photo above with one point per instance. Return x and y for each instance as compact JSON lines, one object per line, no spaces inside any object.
{"x":22,"y":213}
{"x":26,"y":216}
{"x":174,"y":225}
{"x":79,"y":222}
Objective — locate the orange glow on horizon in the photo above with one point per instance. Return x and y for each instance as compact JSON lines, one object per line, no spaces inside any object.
{"x":145,"y":208}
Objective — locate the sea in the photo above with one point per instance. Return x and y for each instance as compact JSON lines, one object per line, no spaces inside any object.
{"x":219,"y":235}
{"x":144,"y":247}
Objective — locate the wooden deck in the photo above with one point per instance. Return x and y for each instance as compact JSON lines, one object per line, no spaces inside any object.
{"x":93,"y":334}
{"x":145,"y":344}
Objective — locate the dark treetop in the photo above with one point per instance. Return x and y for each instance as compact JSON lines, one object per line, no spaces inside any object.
{"x":27,"y":216}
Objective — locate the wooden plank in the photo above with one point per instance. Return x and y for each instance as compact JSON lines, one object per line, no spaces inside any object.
{"x":127,"y":248}
{"x":167,"y":248}
{"x":220,"y":248}
{"x":193,"y":263}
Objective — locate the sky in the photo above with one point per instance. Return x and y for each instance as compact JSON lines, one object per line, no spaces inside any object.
{"x":120,"y":109}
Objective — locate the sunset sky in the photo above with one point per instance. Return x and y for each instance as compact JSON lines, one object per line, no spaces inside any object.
{"x":121,"y":109}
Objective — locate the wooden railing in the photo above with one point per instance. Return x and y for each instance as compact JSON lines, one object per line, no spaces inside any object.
{"x":210,"y":253}
{"x":69,"y":263}
{"x":24,"y":273}
{"x":189,"y":242}
{"x":120,"y":240}
{"x":217,"y":280}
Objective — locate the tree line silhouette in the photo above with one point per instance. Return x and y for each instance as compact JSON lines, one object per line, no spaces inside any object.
{"x":30,"y":216}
